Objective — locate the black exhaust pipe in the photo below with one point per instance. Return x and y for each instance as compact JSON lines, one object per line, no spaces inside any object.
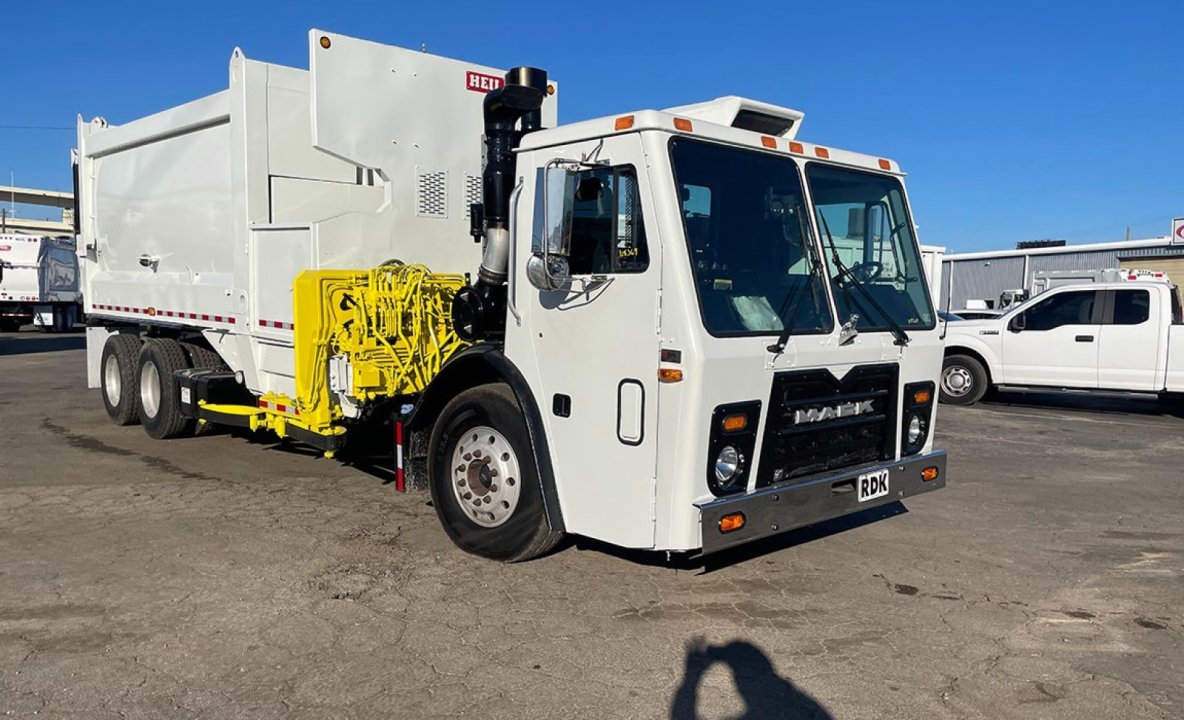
{"x":511,"y":111}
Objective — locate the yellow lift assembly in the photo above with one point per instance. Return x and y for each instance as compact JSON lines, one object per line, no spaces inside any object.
{"x":359,"y":335}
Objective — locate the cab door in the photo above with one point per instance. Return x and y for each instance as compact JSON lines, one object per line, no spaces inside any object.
{"x":1054,"y":341}
{"x":595,"y":341}
{"x":1128,"y":346}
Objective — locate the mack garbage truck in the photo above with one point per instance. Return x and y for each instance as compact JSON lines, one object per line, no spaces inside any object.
{"x":677,"y":330}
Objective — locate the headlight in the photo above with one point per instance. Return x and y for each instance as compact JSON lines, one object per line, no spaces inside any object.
{"x":918,"y":409}
{"x":916,"y":429}
{"x":726,"y":464}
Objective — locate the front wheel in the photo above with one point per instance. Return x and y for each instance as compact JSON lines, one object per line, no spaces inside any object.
{"x":963,"y":380}
{"x":484,"y":481}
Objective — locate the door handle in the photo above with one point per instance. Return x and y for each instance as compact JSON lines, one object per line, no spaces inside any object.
{"x":1084,"y":338}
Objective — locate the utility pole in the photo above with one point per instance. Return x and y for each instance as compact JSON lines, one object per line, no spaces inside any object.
{"x":3,"y":220}
{"x":1128,"y":233}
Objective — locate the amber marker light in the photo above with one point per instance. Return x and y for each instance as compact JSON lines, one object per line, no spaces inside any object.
{"x":797,"y":147}
{"x":326,"y":42}
{"x":683,"y":124}
{"x":734,"y":423}
{"x":624,"y":122}
{"x":822,"y":153}
{"x":885,"y":165}
{"x":922,"y":396}
{"x":768,"y":141}
{"x":669,"y":375}
{"x":929,"y":473}
{"x":731,"y":522}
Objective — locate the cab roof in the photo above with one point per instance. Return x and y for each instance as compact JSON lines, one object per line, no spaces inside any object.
{"x":732,"y":120}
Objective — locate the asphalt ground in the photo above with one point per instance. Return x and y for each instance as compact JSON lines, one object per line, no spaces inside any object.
{"x":231,"y":577}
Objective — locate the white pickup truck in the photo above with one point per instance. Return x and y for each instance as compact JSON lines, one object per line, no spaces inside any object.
{"x":1124,"y":336}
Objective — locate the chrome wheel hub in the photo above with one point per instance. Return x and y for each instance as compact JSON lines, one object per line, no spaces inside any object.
{"x":150,"y":389}
{"x":112,"y":381}
{"x":485,"y":476}
{"x":956,"y":381}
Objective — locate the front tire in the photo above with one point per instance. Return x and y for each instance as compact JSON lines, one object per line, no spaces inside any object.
{"x":160,"y":406}
{"x":484,"y":481}
{"x":964,"y":380}
{"x":117,"y":371}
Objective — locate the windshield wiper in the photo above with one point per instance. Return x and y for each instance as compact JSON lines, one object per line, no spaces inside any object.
{"x":791,"y":296}
{"x":902,"y":338}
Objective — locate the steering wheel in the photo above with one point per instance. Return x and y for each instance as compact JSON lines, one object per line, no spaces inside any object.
{"x":867,"y":271}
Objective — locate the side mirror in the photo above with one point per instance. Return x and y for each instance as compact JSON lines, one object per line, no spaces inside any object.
{"x":1018,"y":323}
{"x":547,"y":268}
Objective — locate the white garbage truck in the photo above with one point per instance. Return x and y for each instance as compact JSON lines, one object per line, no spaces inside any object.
{"x":39,"y":283}
{"x":675,"y":330}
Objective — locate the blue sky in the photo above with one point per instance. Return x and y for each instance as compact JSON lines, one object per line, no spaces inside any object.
{"x":1015,"y":121}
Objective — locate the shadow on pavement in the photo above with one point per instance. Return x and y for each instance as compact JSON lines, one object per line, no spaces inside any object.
{"x":765,"y":693}
{"x":752,"y":550}
{"x":1129,"y":404}
{"x":29,"y":343}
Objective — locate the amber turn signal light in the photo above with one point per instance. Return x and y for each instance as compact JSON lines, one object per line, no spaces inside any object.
{"x":922,"y":396}
{"x":734,"y":423}
{"x":929,"y":473}
{"x":731,"y":523}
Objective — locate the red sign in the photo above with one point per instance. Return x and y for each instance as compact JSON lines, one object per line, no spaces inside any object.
{"x":482,"y":83}
{"x":1179,"y":232}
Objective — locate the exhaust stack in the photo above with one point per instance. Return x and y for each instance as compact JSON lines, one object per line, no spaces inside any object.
{"x":521,"y":98}
{"x":511,"y":111}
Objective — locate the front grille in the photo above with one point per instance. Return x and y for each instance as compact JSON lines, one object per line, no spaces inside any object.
{"x":817,"y":423}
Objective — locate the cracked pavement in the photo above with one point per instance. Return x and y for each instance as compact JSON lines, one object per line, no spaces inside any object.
{"x":219,"y":577}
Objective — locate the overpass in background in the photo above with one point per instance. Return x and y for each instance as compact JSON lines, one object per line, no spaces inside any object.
{"x":44,"y":198}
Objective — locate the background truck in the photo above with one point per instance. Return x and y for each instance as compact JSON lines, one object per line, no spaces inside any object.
{"x":39,"y":283}
{"x":673,"y":330}
{"x":1124,"y":336}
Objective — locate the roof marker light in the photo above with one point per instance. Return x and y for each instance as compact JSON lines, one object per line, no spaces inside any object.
{"x":683,"y":124}
{"x":885,"y":165}
{"x":624,"y":122}
{"x":796,"y":147}
{"x":768,"y":141}
{"x":822,"y":153}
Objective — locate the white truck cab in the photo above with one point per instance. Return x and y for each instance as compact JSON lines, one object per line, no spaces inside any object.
{"x":1121,"y":336}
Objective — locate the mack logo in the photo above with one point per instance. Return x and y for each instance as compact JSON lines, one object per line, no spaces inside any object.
{"x":842,"y":410}
{"x":482,"y":83}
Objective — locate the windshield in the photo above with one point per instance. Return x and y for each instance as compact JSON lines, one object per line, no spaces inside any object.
{"x":748,"y":233}
{"x":863,"y":222}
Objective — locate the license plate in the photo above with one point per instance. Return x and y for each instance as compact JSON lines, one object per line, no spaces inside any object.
{"x":872,"y":485}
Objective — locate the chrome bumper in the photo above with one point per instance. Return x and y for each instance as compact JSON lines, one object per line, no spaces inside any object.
{"x":778,"y":508}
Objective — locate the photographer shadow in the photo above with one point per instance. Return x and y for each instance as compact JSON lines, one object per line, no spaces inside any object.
{"x":765,"y":693}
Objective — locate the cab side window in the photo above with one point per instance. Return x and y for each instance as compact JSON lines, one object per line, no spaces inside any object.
{"x":1131,"y":307}
{"x":1067,"y":308}
{"x":607,"y":232}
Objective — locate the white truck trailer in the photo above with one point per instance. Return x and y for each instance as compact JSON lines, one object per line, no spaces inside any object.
{"x":672,"y":330}
{"x":39,"y":283}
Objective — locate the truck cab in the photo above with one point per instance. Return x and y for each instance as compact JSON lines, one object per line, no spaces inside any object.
{"x":658,"y":260}
{"x":1123,"y":336}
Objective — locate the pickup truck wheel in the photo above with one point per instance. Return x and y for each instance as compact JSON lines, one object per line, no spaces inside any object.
{"x":160,"y":406}
{"x":484,"y":482}
{"x":117,"y":375}
{"x":963,"y":380}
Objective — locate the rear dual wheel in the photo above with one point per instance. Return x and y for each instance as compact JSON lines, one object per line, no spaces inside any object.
{"x":160,"y":402}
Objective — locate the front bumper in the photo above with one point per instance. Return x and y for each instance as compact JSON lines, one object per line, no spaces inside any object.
{"x":778,"y":508}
